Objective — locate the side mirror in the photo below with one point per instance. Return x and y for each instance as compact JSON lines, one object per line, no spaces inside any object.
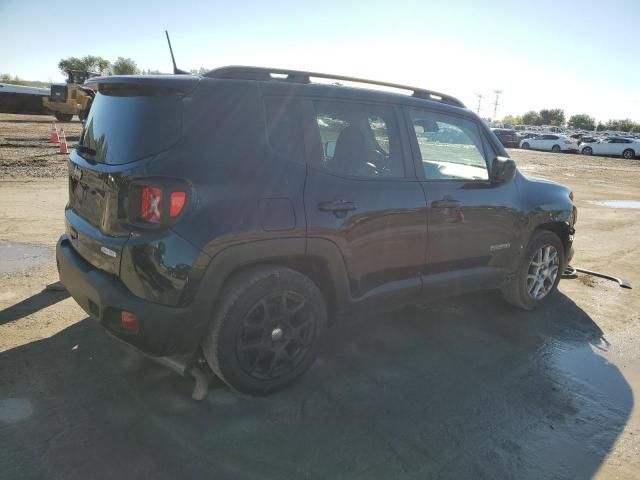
{"x":503,"y":169}
{"x":330,"y":149}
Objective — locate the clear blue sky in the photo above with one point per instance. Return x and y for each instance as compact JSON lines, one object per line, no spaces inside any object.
{"x":580,"y":56}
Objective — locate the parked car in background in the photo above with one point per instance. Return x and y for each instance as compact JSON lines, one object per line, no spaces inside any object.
{"x":626,"y":147}
{"x":507,"y":137}
{"x":587,"y":139}
{"x":525,"y":135}
{"x":551,"y":143}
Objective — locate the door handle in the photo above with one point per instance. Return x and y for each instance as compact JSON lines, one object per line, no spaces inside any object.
{"x":336,"y":206}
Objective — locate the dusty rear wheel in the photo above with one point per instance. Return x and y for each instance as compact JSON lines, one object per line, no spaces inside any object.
{"x":538,"y":273}
{"x":587,"y":151}
{"x":526,"y":146}
{"x":555,"y":148}
{"x":266,"y":329}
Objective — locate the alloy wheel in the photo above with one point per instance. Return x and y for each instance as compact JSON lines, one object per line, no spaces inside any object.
{"x":275,"y":335}
{"x":543,"y":271}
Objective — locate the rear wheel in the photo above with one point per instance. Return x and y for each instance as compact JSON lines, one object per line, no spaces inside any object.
{"x":538,"y":273}
{"x":587,"y":151}
{"x":266,"y":329}
{"x":629,"y":154}
{"x":555,"y":148}
{"x":526,"y":146}
{"x":63,"y":117}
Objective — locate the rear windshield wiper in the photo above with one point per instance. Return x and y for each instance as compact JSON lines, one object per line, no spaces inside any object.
{"x":84,"y":149}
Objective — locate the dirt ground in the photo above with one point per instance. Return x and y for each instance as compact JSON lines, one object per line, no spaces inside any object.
{"x":462,"y":388}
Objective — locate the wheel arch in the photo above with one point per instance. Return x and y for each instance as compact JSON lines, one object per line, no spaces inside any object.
{"x":321,"y":262}
{"x":561,"y":229}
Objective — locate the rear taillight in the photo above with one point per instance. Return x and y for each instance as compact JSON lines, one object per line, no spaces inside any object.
{"x":176,"y":203}
{"x":568,"y":142}
{"x":151,"y":204}
{"x":158,"y":204}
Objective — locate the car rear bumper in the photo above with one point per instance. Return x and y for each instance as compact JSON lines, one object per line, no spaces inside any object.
{"x":163,"y":330}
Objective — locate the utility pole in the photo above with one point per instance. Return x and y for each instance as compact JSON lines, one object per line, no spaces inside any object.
{"x":479,"y":95}
{"x":495,"y":105}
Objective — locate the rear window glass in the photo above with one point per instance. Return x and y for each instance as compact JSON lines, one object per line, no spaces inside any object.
{"x":126,"y":124}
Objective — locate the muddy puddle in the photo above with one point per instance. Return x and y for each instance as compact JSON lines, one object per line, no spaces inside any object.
{"x":21,"y":257}
{"x":617,"y":203}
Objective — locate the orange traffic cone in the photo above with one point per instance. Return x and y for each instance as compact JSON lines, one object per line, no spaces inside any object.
{"x":53,"y":134}
{"x":63,"y":142}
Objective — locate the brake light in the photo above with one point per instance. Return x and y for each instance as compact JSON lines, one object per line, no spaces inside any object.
{"x":568,"y":142}
{"x":176,"y":203}
{"x":151,"y":204}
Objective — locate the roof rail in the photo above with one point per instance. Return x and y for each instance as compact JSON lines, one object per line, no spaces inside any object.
{"x":298,"y":76}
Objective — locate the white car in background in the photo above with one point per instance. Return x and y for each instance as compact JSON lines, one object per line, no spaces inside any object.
{"x":626,"y":147}
{"x":550,"y":142}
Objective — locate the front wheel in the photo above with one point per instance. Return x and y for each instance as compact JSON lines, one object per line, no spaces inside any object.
{"x":629,"y":154}
{"x":63,"y":117}
{"x":266,"y":329}
{"x":587,"y":151}
{"x":538,"y":273}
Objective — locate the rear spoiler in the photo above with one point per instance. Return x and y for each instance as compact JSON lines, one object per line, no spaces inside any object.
{"x":182,"y":83}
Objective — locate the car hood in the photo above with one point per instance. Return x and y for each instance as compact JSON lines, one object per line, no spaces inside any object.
{"x":543,"y":184}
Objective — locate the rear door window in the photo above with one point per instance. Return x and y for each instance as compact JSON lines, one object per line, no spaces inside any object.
{"x":359,"y":140}
{"x":128,"y":123}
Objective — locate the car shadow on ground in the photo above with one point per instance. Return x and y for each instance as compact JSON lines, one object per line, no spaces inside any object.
{"x":30,"y":305}
{"x":463,"y":388}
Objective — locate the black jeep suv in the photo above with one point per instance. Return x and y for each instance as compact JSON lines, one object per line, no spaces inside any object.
{"x":237,"y":212}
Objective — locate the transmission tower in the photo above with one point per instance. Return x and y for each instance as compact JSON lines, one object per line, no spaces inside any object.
{"x":497,"y":102}
{"x":479,"y":95}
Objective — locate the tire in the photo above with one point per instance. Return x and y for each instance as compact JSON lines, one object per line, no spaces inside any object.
{"x":63,"y":117}
{"x":555,"y":148}
{"x":518,"y":291}
{"x":629,"y":154}
{"x":587,"y":151}
{"x":254,"y":347}
{"x":526,"y":146}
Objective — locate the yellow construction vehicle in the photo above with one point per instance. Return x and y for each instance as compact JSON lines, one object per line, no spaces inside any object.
{"x":69,"y":99}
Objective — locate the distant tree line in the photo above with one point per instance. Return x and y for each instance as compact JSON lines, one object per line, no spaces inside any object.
{"x":15,"y":80}
{"x":121,"y":66}
{"x":102,"y":66}
{"x":556,"y":116}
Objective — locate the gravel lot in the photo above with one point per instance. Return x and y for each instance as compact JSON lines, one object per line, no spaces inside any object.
{"x":462,"y":388}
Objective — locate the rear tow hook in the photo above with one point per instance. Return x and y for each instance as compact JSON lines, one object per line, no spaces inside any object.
{"x":571,"y":272}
